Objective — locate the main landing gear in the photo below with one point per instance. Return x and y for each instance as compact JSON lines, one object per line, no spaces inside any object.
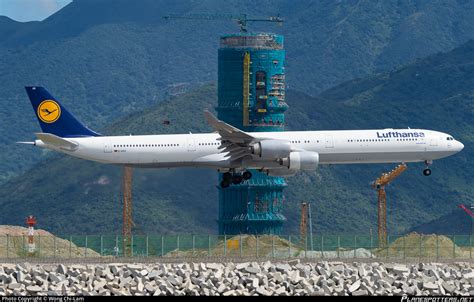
{"x":427,"y":171}
{"x":229,"y":178}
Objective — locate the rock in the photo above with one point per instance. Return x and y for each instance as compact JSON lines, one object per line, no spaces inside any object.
{"x":448,"y":287}
{"x":252,"y":270}
{"x":293,"y":262}
{"x":55,"y":278}
{"x":143,"y":273}
{"x":172,"y":280}
{"x":468,"y":275}
{"x":150,"y":288}
{"x":14,"y":285}
{"x":262,"y":291}
{"x":20,"y":276}
{"x":355,"y":286}
{"x":241,"y":266}
{"x":229,"y":293}
{"x":337,"y":268}
{"x":140,"y":287}
{"x":280,"y":291}
{"x":214,"y":266}
{"x":133,"y":267}
{"x":154,"y":274}
{"x":277,"y":277}
{"x":430,"y":286}
{"x":221,"y":288}
{"x":33,"y":289}
{"x":61,"y":269}
{"x":400,"y":269}
{"x":255,"y":283}
{"x":284,"y":268}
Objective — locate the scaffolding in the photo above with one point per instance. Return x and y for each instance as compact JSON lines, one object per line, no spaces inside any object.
{"x":251,"y":85}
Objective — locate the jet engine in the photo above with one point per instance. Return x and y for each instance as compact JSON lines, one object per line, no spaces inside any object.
{"x":271,"y":149}
{"x":296,"y":161}
{"x":301,"y":161}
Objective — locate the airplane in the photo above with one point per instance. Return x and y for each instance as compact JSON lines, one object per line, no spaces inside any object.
{"x":232,"y":151}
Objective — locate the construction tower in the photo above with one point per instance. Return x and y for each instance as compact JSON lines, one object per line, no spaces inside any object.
{"x":127,"y":222}
{"x":251,"y":96}
{"x":303,"y":223}
{"x":379,"y":184}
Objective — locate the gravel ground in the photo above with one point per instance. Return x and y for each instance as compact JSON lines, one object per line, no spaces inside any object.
{"x":246,"y":278}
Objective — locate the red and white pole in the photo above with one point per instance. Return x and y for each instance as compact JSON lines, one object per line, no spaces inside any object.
{"x":31,"y":222}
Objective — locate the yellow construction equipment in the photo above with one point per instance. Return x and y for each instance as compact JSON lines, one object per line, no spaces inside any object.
{"x":241,"y":19}
{"x":303,"y":223}
{"x":246,"y":89}
{"x":379,"y":184}
{"x":127,"y":222}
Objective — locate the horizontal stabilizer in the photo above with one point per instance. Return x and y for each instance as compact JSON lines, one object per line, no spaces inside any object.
{"x":56,"y":141}
{"x":26,"y":143}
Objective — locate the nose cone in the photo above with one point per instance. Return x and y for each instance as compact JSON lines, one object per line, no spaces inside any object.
{"x":459,"y":146}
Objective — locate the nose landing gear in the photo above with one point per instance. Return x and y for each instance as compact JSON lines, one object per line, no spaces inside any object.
{"x":427,"y":171}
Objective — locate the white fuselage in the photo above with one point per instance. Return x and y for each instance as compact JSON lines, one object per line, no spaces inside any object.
{"x":202,"y":150}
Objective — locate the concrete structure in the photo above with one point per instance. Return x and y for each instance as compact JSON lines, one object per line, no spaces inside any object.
{"x":251,"y":96}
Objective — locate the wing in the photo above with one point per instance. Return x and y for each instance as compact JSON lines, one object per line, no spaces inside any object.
{"x":235,"y":142}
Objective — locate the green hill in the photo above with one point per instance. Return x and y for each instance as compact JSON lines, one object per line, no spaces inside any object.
{"x":74,"y":196}
{"x":100,"y":54}
{"x":455,"y":222}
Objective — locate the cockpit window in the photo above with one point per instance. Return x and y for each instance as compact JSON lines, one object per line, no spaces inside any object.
{"x":449,"y":138}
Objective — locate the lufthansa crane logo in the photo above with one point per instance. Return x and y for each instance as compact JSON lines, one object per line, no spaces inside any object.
{"x":49,"y":111}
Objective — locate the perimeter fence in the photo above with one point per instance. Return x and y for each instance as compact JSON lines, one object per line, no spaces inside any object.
{"x":240,"y":246}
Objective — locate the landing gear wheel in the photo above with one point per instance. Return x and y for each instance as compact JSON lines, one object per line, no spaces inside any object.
{"x":247,"y":175}
{"x":237,"y":179}
{"x":225,"y":183}
{"x":227,"y":176}
{"x":427,"y":172}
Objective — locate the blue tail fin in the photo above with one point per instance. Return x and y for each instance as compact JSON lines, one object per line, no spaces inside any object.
{"x":54,"y":117}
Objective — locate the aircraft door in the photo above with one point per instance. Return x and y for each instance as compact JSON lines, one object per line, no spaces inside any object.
{"x":107,"y":147}
{"x":434,"y":142}
{"x":191,"y":144}
{"x":329,"y":141}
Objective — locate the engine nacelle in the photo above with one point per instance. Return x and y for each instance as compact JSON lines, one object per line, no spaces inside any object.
{"x":302,"y":161}
{"x":272,"y":149}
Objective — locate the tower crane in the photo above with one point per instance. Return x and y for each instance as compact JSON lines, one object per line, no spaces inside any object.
{"x":127,"y":222}
{"x":303,"y":223}
{"x":241,"y":19}
{"x":379,"y":184}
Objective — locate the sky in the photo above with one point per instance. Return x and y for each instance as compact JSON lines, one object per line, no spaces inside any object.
{"x":30,"y":10}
